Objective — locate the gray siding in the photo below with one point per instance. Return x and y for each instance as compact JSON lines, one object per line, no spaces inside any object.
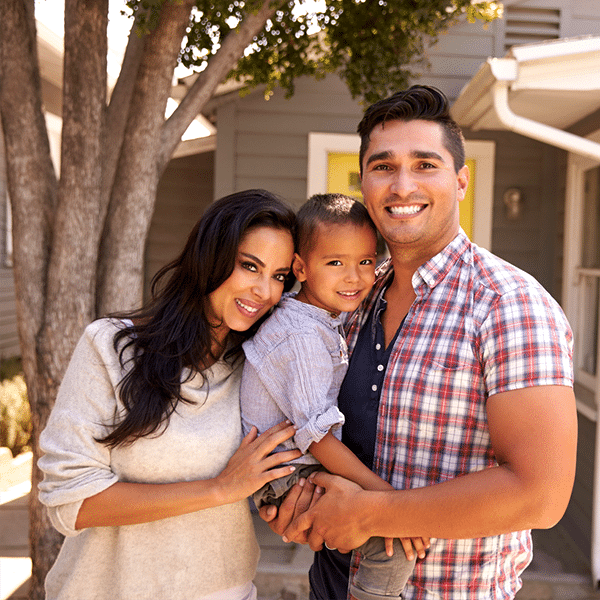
{"x":9,"y":341}
{"x":531,"y":242}
{"x":184,"y":192}
{"x":578,"y":518}
{"x":264,"y":144}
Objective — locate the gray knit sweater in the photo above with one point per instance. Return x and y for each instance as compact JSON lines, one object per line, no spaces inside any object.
{"x":179,"y":558}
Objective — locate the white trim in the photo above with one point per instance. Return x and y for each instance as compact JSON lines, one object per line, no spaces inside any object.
{"x":483,"y":152}
{"x":572,"y":275}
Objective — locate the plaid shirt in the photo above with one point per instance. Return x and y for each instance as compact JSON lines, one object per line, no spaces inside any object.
{"x":478,"y":327}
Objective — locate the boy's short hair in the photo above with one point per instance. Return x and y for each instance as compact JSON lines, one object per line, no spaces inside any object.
{"x":328,"y":209}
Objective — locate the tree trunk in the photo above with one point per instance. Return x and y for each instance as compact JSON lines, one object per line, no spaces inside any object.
{"x":120,"y":272}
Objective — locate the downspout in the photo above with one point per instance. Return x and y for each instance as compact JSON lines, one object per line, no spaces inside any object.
{"x":584,"y":147}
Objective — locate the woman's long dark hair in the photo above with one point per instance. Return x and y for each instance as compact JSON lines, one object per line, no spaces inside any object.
{"x":172,"y":332}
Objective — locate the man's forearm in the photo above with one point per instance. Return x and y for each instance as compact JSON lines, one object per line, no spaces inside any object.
{"x":480,"y":504}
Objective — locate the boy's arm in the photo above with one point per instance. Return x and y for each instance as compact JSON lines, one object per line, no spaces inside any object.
{"x":338,"y":459}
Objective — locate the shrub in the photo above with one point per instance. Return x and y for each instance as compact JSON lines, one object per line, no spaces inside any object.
{"x":15,"y":415}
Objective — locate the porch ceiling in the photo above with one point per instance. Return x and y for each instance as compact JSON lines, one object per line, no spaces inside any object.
{"x":554,"y":83}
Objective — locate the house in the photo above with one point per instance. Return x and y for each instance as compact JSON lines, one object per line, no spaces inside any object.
{"x":535,"y":199}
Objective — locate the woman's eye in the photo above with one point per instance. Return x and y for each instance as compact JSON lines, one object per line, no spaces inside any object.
{"x":280,"y":277}
{"x":249,"y":266}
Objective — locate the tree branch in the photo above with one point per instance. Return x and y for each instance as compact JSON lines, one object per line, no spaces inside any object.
{"x":118,"y":110}
{"x":218,"y":67}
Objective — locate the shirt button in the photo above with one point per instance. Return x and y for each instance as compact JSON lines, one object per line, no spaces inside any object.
{"x":377,"y":346}
{"x":380,"y":367}
{"x":374,"y":388}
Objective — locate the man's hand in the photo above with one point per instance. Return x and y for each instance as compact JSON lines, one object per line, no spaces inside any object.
{"x":333,"y":517}
{"x":299,"y":499}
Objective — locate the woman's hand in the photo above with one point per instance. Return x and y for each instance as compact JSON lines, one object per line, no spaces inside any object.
{"x":253,"y":463}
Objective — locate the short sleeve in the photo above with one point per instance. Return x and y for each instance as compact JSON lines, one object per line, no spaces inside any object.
{"x":526,"y":341}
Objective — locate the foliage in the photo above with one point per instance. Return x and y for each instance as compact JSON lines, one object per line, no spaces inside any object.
{"x":9,"y":367}
{"x":377,"y":46}
{"x":15,"y":414}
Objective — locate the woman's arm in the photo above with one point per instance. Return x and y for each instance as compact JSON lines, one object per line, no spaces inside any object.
{"x":250,"y":467}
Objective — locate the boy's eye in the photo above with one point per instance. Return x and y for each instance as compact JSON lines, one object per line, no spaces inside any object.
{"x":334,"y":263}
{"x":366,"y":261}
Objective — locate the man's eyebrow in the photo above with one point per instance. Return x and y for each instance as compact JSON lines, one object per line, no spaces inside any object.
{"x":383,"y":155}
{"x":262,"y":264}
{"x":427,"y":154}
{"x":421,"y":154}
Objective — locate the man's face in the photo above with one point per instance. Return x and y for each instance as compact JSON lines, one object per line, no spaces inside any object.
{"x":410,"y":186}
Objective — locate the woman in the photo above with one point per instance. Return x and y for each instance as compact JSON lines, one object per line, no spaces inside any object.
{"x":143,"y":472}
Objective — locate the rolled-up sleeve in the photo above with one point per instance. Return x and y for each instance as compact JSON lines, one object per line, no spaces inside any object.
{"x":297,"y":375}
{"x":75,"y":465}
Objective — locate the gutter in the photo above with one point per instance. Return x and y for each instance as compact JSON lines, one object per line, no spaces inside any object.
{"x":539,"y":131}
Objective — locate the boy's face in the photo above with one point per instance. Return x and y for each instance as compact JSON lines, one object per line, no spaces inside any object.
{"x":338,"y":271}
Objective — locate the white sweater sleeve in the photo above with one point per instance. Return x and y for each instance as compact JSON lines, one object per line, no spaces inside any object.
{"x":74,"y":464}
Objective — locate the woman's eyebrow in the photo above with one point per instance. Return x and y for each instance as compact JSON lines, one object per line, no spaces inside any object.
{"x":254,"y":258}
{"x":261,"y":263}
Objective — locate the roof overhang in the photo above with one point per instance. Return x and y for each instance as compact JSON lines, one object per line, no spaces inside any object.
{"x":538,"y":90}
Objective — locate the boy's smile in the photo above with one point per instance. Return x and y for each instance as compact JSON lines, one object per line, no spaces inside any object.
{"x":338,"y":271}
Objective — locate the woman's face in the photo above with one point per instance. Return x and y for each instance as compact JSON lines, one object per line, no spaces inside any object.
{"x":264,"y":258}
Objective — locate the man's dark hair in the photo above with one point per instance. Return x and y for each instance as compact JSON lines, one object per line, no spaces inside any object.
{"x":417,"y":102}
{"x":328,"y":209}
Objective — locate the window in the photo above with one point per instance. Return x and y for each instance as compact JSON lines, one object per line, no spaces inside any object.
{"x":581,"y":293}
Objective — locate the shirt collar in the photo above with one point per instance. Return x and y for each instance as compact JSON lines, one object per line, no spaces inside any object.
{"x":437,"y":267}
{"x":320,"y":314}
{"x":429,"y":273}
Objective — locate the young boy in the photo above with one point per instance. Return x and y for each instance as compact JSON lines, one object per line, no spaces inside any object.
{"x":297,"y":360}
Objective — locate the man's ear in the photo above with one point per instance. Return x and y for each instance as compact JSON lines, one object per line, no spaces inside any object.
{"x":299,"y":267}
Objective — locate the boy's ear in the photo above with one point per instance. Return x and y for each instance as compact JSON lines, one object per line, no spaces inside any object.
{"x":298,"y":267}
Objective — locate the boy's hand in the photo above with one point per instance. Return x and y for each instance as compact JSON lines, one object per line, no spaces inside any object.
{"x":419,"y":544}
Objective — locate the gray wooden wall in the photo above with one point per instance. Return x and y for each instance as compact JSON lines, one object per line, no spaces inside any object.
{"x":9,"y":341}
{"x":184,"y":192}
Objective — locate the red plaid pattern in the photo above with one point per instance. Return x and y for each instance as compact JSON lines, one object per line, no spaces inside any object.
{"x":478,"y":326}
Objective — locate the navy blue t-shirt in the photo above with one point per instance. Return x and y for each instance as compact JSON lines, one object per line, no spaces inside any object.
{"x":359,"y":402}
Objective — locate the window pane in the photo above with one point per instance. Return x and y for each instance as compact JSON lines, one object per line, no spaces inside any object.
{"x":588,"y":334}
{"x":590,"y":255}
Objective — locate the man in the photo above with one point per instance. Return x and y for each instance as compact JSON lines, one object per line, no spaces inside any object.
{"x":459,"y":389}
